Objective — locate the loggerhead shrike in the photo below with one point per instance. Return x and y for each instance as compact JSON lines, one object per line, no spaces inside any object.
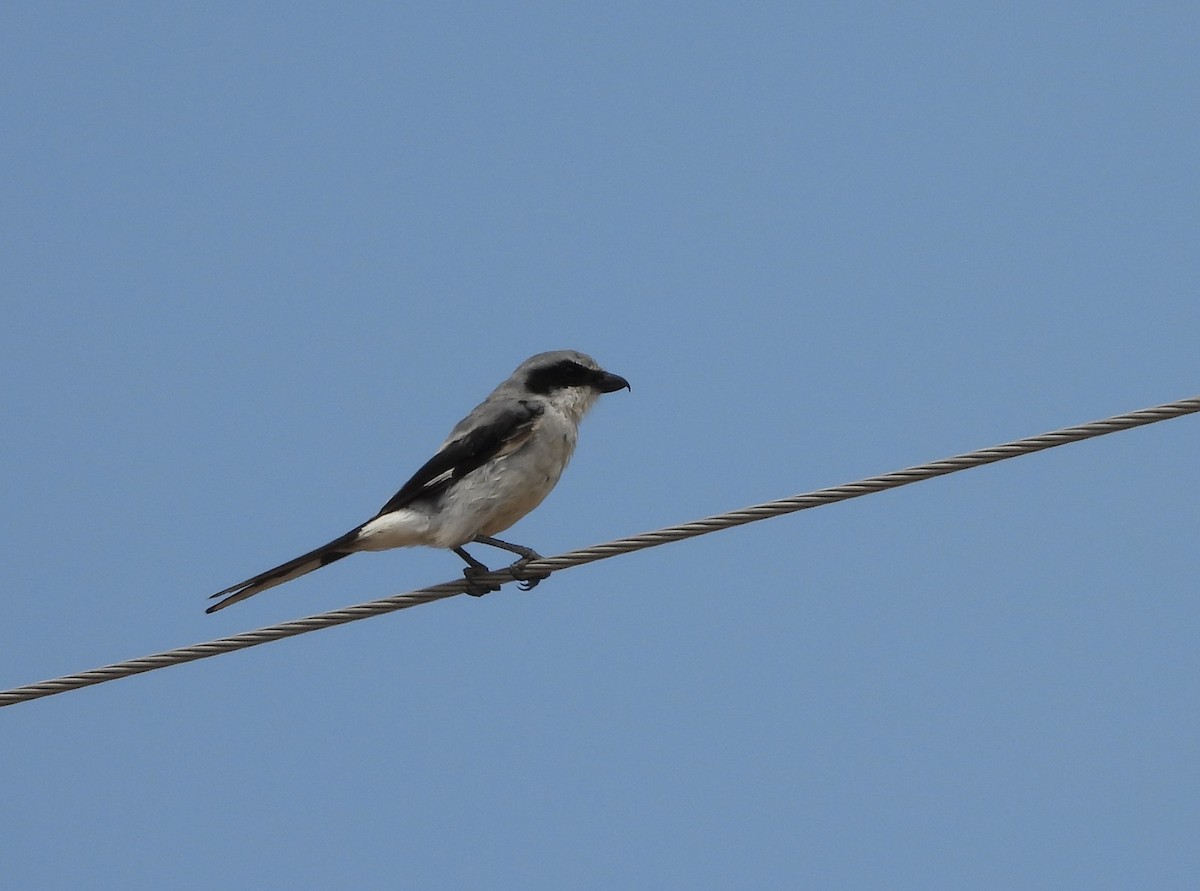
{"x":498,"y":464}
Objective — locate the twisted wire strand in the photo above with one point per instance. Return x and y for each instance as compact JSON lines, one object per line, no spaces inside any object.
{"x":603,"y":551}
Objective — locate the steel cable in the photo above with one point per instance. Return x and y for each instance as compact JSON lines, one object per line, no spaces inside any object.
{"x":603,"y":551}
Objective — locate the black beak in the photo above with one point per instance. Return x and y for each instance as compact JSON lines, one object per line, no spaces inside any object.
{"x":610,"y":383}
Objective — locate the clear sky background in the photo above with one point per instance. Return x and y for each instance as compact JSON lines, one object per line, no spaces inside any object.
{"x":258,"y":258}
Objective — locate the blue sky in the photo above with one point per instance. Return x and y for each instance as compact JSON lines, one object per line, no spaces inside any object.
{"x":258,"y":259}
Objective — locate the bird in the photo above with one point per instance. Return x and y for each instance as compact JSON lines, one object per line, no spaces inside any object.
{"x":497,"y":464}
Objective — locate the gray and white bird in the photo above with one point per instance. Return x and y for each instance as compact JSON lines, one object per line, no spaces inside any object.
{"x":497,"y":465}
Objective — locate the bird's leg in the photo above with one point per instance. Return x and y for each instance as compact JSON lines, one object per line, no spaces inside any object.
{"x":525,"y":580}
{"x":519,"y":550}
{"x":474,"y":569}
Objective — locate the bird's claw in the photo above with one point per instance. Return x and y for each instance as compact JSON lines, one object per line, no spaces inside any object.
{"x":475,"y":587}
{"x":527,"y":580}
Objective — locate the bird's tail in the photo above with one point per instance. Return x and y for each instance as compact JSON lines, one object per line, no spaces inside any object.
{"x":285,"y":572}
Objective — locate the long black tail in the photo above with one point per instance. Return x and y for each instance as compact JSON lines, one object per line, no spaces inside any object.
{"x":285,"y":572}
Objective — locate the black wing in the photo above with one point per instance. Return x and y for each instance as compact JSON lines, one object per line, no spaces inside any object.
{"x":504,"y":433}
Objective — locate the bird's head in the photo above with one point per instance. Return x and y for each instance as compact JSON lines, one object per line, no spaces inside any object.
{"x":569,"y":379}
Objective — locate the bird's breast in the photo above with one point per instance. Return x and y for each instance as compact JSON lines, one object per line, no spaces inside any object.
{"x":523,"y":479}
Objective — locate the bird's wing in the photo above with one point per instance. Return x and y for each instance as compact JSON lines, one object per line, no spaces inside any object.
{"x":498,"y":433}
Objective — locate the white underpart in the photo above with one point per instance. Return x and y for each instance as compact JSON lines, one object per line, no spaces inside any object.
{"x":495,"y":496}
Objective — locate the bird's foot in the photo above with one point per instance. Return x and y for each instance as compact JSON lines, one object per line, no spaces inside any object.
{"x":475,"y":587}
{"x":527,"y":580}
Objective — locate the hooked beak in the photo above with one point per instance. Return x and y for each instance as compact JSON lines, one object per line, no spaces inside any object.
{"x":610,"y":383}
